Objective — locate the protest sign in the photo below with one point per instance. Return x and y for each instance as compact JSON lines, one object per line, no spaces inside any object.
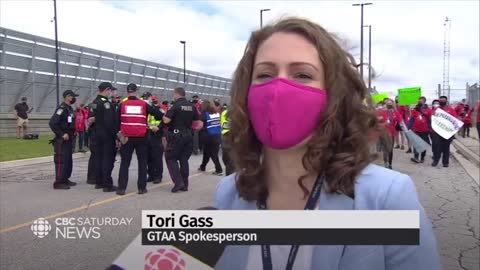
{"x":409,"y":96}
{"x":379,"y":97}
{"x":445,"y":124}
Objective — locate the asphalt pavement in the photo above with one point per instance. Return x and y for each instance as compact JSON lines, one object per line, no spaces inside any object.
{"x":449,"y":195}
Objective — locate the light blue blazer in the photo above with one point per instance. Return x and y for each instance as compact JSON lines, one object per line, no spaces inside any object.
{"x":375,"y":188}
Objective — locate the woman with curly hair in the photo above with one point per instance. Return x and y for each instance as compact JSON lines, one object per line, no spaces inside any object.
{"x":282,"y":151}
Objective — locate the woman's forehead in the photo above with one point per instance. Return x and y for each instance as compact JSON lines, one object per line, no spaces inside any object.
{"x":285,"y":48}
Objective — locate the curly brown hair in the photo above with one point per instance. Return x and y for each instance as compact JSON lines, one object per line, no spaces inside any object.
{"x":340,"y":145}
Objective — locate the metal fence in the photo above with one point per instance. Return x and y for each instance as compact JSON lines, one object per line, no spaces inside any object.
{"x":27,"y":68}
{"x":473,"y":95}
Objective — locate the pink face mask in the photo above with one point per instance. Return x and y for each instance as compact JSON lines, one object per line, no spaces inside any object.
{"x":284,"y":112}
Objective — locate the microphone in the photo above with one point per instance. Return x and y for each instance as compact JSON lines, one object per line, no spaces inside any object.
{"x":191,"y":256}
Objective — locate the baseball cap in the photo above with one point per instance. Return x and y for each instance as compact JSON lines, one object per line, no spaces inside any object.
{"x":154,"y":97}
{"x":147,"y":95}
{"x":67,"y":93}
{"x":106,"y":85}
{"x":132,"y":88}
{"x":216,"y":100}
{"x":24,"y":98}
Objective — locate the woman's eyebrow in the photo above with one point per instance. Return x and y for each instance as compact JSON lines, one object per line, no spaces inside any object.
{"x":271,"y":64}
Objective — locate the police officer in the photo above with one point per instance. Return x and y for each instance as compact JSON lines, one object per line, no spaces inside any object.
{"x":224,"y":122}
{"x":133,"y":126}
{"x":155,"y":146}
{"x":180,"y":139}
{"x":103,"y":117}
{"x":62,"y":123}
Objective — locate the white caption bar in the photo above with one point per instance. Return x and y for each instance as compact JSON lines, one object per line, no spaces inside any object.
{"x":279,"y":219}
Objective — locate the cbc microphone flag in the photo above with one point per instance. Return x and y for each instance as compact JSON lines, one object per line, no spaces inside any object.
{"x":161,"y":257}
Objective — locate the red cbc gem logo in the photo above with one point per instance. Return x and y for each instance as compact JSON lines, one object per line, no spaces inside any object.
{"x":164,"y":259}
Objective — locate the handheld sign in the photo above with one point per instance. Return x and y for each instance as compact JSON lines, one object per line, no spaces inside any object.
{"x":379,"y":97}
{"x":445,"y":124}
{"x":409,"y":96}
{"x":418,"y":143}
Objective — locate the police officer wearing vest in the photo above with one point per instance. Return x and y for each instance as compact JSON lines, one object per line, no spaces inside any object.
{"x":62,"y":123}
{"x":133,"y":126}
{"x":180,"y":139}
{"x":103,"y":118}
{"x":155,"y":146}
{"x":224,"y":122}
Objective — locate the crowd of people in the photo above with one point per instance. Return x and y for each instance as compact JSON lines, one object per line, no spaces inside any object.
{"x":417,"y":118}
{"x":112,"y":124}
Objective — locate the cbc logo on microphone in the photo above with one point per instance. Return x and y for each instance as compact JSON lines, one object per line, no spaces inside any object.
{"x":40,"y":227}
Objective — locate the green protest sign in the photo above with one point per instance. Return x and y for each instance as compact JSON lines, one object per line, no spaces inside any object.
{"x":379,"y":97}
{"x":409,"y":96}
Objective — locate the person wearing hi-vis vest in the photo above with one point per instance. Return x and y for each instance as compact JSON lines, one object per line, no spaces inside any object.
{"x":211,"y":120}
{"x":227,"y":160}
{"x":133,"y":130}
{"x":155,"y":147}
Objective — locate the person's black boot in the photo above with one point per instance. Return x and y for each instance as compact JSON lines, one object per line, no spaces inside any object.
{"x":61,"y":186}
{"x":110,"y":189}
{"x":71,"y":183}
{"x":177,"y":188}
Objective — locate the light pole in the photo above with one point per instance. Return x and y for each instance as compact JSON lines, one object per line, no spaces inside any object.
{"x":361,"y":36}
{"x":184,"y":65}
{"x":369,"y":56}
{"x":56,"y":51}
{"x":261,"y":16}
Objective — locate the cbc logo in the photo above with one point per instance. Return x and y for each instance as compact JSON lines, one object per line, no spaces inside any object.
{"x":41,"y":227}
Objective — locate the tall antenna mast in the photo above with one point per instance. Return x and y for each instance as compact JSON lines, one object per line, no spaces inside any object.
{"x":446,"y":58}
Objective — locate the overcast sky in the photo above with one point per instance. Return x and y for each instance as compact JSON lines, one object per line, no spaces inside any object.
{"x":407,"y":36}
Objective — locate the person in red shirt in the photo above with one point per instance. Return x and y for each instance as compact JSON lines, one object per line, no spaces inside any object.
{"x":390,"y":118}
{"x":80,"y":127}
{"x":460,"y":108}
{"x":467,"y":121}
{"x":197,"y":140}
{"x":442,"y":145}
{"x":400,"y":136}
{"x":420,"y":124}
{"x":218,"y":107}
{"x":478,"y":118}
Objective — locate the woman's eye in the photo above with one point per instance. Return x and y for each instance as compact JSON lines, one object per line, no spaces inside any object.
{"x":263,"y":76}
{"x":303,"y":76}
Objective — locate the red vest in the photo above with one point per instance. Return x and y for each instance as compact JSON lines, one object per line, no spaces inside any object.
{"x":133,"y":118}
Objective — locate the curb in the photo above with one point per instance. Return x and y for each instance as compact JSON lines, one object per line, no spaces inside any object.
{"x":474,"y":158}
{"x":470,"y":168}
{"x":33,"y":161}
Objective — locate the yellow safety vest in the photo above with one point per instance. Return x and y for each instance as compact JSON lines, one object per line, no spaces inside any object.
{"x":153,"y":122}
{"x":224,"y":122}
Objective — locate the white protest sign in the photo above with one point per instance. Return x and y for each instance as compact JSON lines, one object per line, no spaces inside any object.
{"x":444,"y":124}
{"x":138,"y":256}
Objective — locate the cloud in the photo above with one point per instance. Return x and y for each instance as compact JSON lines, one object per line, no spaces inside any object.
{"x":407,"y":36}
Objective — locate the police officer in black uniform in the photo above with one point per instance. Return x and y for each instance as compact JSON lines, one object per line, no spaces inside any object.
{"x":104,"y":119}
{"x":180,"y":139}
{"x":62,"y":124}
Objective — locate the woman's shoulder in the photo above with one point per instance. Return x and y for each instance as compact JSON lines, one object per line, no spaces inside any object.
{"x":375,"y":188}
{"x":380,"y":188}
{"x":227,"y":197}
